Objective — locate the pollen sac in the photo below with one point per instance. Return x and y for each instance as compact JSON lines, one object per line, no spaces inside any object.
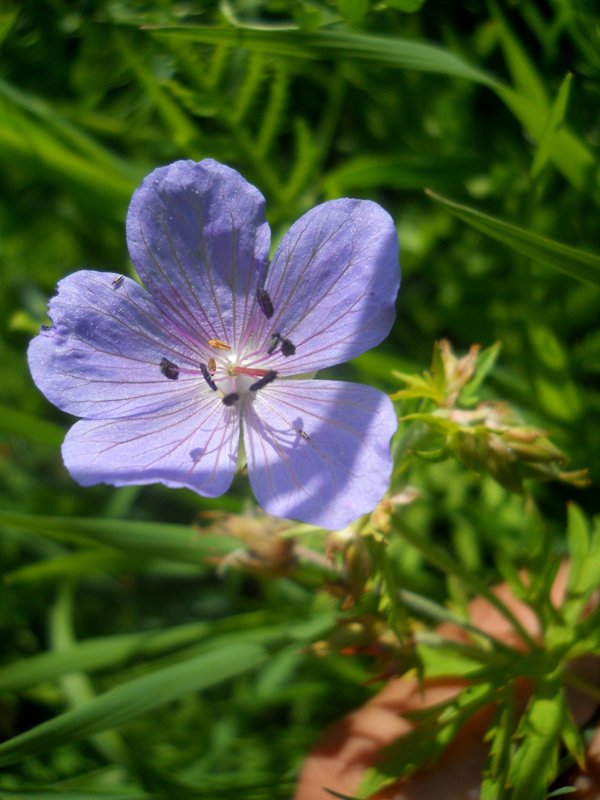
{"x":218,"y":344}
{"x":169,"y":369}
{"x":288,"y":348}
{"x":230,"y":399}
{"x":207,"y":377}
{"x":264,"y":301}
{"x":266,"y":379}
{"x":212,"y":366}
{"x":273,"y":343}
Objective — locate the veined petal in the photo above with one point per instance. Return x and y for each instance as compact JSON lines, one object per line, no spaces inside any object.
{"x":199,"y":241}
{"x":333,"y":285}
{"x":193,"y":444}
{"x":101,"y":358}
{"x":318,"y":451}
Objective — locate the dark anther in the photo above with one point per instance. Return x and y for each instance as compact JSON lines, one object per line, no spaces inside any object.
{"x":207,"y":378}
{"x":169,"y":369}
{"x":288,"y":348}
{"x":264,"y":301}
{"x":273,"y":343}
{"x":270,"y":376}
{"x":231,"y":399}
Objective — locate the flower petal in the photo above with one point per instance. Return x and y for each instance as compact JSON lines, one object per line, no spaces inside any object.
{"x":199,"y":241}
{"x":101,"y":358}
{"x":333,"y":285}
{"x":193,"y":444}
{"x":318,"y":451}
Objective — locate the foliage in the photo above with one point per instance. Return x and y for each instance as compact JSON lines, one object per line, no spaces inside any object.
{"x":133,"y":667}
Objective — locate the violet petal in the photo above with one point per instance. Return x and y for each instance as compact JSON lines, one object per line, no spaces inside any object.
{"x":318,"y":451}
{"x":333,"y":285}
{"x":102,"y":356}
{"x":192,"y":444}
{"x":199,"y":241}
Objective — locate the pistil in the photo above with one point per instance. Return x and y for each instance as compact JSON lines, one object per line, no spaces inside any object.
{"x":251,"y":371}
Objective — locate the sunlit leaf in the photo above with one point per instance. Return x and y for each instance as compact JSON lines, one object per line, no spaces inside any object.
{"x":577,"y":263}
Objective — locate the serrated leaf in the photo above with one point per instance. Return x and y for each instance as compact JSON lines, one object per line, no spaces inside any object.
{"x":572,"y":739}
{"x":128,"y":700}
{"x":576,"y":263}
{"x":534,"y":765}
{"x":434,"y":731}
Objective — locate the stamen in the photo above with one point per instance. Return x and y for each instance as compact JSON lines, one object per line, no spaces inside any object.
{"x":207,"y":378}
{"x":218,"y":344}
{"x":230,"y":399}
{"x":288,"y":348}
{"x":169,"y":369}
{"x":273,"y":343}
{"x":266,"y":379}
{"x":116,"y":282}
{"x":212,"y":365}
{"x":265,"y":303}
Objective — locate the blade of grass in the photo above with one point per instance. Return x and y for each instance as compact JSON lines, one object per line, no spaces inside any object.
{"x":577,"y":263}
{"x":396,"y":52}
{"x":148,"y":539}
{"x":128,"y":700}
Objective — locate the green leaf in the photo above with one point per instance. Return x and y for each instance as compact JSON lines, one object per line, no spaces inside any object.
{"x":493,"y":786}
{"x":569,"y":154}
{"x":60,"y":793}
{"x":555,"y":121}
{"x":183,"y":131}
{"x":352,"y":10}
{"x":87,"y":562}
{"x":484,"y":365}
{"x":393,"y":51}
{"x":433,"y":732}
{"x":577,"y":263}
{"x":534,"y":765}
{"x":526,"y":77}
{"x":407,"y":6}
{"x":30,"y":427}
{"x":128,"y":700}
{"x":578,"y":539}
{"x":398,"y":170}
{"x":148,"y":539}
{"x":550,"y":374}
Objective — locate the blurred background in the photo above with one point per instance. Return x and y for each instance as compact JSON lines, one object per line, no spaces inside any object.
{"x":493,"y":106}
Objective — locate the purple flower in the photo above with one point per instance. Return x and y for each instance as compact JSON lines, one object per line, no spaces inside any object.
{"x":164,"y":377}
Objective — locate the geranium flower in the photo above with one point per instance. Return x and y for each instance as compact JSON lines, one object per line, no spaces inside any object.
{"x":165,"y":375}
